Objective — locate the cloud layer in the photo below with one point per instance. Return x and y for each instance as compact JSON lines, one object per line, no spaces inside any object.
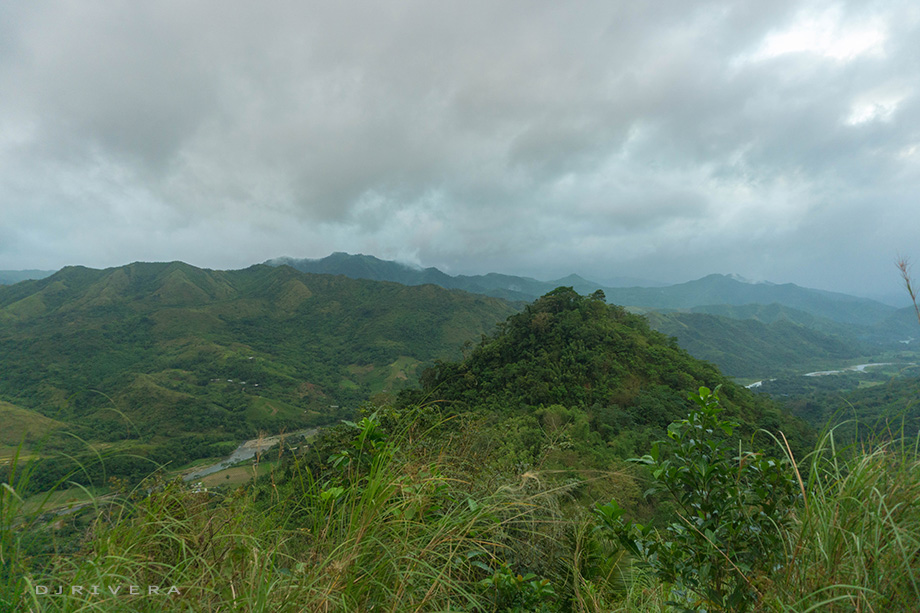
{"x":776,"y":140}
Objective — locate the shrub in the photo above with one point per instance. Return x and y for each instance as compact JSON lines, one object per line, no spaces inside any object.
{"x":731,"y":505}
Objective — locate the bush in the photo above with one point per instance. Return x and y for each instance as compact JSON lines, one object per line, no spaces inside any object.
{"x":732,"y":506}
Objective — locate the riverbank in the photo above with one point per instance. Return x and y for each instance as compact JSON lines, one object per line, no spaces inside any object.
{"x":248,"y":450}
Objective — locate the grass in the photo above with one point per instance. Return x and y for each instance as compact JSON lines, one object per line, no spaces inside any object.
{"x":404,"y":524}
{"x":381,"y":530}
{"x":21,"y":424}
{"x":856,"y":541}
{"x":236,"y":476}
{"x":60,"y":498}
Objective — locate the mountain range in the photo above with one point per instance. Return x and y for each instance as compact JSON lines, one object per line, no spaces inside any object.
{"x":716,"y":294}
{"x":9,"y":277}
{"x":172,"y":362}
{"x":711,"y":290}
{"x":748,"y":329}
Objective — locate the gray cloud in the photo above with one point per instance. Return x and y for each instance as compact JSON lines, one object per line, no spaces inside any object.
{"x":666,"y":139}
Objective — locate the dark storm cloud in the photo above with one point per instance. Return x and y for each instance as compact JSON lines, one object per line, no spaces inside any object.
{"x":666,"y":139}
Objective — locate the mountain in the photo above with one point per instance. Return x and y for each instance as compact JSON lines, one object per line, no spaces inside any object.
{"x":770,"y":313}
{"x":711,"y":291}
{"x":755,"y":348}
{"x":9,"y":277}
{"x":366,"y":267}
{"x":571,"y":359}
{"x":725,"y":290}
{"x":360,"y":266}
{"x":901,"y":326}
{"x":167,"y":359}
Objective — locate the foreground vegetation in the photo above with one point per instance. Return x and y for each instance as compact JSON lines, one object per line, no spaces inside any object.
{"x":502,"y":484}
{"x":401,"y":517}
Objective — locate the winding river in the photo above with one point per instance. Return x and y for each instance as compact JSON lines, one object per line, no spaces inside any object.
{"x":821,"y":373}
{"x":246,"y":450}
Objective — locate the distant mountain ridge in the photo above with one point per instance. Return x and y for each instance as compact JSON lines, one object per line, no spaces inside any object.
{"x":749,"y":347}
{"x":717,"y":289}
{"x":508,"y":287}
{"x":714,"y":289}
{"x":9,"y":277}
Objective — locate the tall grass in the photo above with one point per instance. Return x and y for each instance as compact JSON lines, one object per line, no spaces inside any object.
{"x":397,"y":530}
{"x":21,"y":522}
{"x":855,"y":545}
{"x":12,"y":572}
{"x":852,"y":542}
{"x":408,"y":523}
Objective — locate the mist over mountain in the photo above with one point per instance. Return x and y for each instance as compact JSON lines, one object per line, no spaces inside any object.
{"x":9,"y":277}
{"x":714,"y":289}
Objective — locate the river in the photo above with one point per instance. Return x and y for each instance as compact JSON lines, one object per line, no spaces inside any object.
{"x":821,"y":373}
{"x":246,"y":450}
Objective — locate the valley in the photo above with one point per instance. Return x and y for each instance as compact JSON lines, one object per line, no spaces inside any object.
{"x":153,"y":363}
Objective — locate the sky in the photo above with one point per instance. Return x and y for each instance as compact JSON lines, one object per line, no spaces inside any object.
{"x":663,"y":140}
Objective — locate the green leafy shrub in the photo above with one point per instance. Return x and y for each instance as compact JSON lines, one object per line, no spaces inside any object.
{"x":515,"y":593}
{"x":731,"y":505}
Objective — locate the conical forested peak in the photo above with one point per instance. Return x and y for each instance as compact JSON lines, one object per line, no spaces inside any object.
{"x":576,"y":351}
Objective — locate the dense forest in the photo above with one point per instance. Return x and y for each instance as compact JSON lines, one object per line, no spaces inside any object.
{"x":167,"y":363}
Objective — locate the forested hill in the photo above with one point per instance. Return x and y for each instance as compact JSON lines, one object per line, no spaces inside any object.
{"x":83,"y":329}
{"x":714,"y":289}
{"x":752,"y":348}
{"x":162,"y":351}
{"x":577,"y":359}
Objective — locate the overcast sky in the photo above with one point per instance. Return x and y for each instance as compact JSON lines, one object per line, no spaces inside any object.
{"x":778,"y":140}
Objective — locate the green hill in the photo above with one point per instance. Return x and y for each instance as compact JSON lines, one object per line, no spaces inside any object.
{"x":715,"y":289}
{"x":754,"y":348}
{"x":177,"y":359}
{"x":574,"y":359}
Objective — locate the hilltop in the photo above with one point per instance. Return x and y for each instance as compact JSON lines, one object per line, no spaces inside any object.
{"x":572,"y":359}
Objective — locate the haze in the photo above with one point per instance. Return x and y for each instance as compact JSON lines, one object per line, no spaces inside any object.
{"x":668,"y":140}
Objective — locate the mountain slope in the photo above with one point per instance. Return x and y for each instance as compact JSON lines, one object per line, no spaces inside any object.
{"x":753,"y":348}
{"x":598,"y":365}
{"x":713,"y":289}
{"x":158,"y":352}
{"x":723,"y":289}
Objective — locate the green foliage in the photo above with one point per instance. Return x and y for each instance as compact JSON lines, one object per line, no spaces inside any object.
{"x":886,"y":408}
{"x":732,"y":506}
{"x":515,"y":593}
{"x":578,"y":352}
{"x":472,"y":493}
{"x":23,"y":535}
{"x":750,"y":348}
{"x":153,"y":352}
{"x":855,"y":539}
